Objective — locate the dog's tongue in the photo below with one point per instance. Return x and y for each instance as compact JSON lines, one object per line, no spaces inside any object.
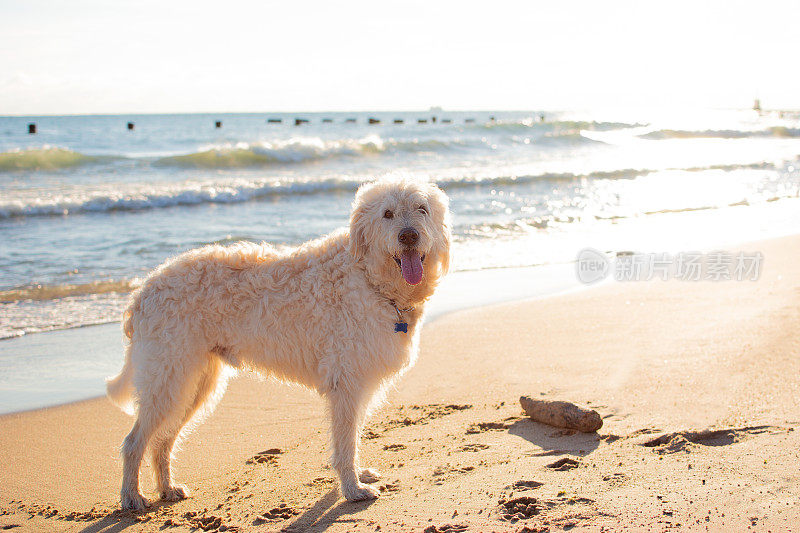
{"x":411,"y":266}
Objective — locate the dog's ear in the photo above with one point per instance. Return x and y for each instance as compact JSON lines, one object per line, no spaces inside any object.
{"x":441,"y":204}
{"x":358,"y":244}
{"x":444,"y":254}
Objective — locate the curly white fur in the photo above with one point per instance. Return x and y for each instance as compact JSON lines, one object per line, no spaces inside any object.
{"x":320,"y":315}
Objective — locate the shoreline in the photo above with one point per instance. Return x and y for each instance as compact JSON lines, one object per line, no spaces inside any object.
{"x":673,"y":231}
{"x":459,"y":291}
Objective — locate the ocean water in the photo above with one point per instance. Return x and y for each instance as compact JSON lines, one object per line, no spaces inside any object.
{"x":88,"y":207}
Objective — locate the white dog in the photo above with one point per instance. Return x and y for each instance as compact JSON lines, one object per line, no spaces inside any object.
{"x":340,"y":314}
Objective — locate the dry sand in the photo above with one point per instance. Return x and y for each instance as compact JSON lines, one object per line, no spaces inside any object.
{"x":697,"y":382}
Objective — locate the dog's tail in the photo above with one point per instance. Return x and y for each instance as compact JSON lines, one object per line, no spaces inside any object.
{"x":119,"y":388}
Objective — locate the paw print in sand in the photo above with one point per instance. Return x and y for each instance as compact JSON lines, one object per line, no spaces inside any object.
{"x":267,"y":456}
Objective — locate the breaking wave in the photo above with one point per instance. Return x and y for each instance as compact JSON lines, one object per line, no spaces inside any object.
{"x":253,"y":155}
{"x":53,"y":292}
{"x":297,"y":150}
{"x":230,"y":194}
{"x":776,"y":131}
{"x":45,"y":158}
{"x":235,"y":155}
{"x":242,"y":155}
{"x":188,"y":194}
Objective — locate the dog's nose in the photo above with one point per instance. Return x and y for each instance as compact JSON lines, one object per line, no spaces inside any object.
{"x":408,"y":236}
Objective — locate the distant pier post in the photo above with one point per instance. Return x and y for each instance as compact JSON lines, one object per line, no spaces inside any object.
{"x":130,"y":126}
{"x":218,"y":124}
{"x":32,"y":128}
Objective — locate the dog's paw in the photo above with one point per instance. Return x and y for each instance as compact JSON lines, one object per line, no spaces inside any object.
{"x":174,"y":494}
{"x":134,"y":501}
{"x":369,"y":475}
{"x":359,"y":491}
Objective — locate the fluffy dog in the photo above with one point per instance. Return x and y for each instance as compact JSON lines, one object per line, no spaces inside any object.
{"x":340,"y":314}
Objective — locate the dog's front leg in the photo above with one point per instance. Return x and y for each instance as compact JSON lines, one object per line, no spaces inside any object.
{"x":347,"y":415}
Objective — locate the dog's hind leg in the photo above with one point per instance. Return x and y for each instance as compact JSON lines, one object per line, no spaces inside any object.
{"x":132,"y":450}
{"x":348,"y":409}
{"x":209,"y":390}
{"x":161,"y":395}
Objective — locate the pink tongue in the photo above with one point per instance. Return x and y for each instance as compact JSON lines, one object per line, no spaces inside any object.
{"x":411,"y":267}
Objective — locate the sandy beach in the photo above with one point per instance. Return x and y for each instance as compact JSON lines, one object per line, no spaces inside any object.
{"x":573,"y":229}
{"x":696,"y":382}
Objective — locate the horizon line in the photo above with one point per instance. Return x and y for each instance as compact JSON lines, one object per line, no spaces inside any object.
{"x":376,"y":111}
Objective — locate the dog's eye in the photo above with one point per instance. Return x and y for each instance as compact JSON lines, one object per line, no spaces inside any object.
{"x":422,"y":209}
{"x":388,"y":214}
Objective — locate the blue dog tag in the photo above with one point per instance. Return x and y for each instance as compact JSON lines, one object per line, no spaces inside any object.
{"x":400,"y":327}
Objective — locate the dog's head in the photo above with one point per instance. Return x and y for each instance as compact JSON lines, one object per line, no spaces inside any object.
{"x":400,"y":230}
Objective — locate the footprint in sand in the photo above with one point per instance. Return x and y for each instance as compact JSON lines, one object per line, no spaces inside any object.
{"x":525,"y":485}
{"x":207,"y":523}
{"x":524,"y":507}
{"x":444,"y":472}
{"x":447,"y":469}
{"x":684,"y":440}
{"x":197,"y":520}
{"x":617,"y":478}
{"x":394,"y":447}
{"x":480,"y":427}
{"x":521,"y":508}
{"x":564,"y":464}
{"x":390,"y":487}
{"x":267,"y":456}
{"x":369,"y":434}
{"x":281,"y":512}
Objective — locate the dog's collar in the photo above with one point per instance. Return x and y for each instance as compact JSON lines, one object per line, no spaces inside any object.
{"x":401,"y":326}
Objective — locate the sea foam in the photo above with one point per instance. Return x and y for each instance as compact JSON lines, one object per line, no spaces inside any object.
{"x":227,"y":192}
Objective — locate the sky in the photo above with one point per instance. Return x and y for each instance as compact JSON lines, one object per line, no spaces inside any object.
{"x":100,"y":56}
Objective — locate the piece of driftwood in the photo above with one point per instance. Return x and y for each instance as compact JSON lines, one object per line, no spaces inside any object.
{"x":561,"y":414}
